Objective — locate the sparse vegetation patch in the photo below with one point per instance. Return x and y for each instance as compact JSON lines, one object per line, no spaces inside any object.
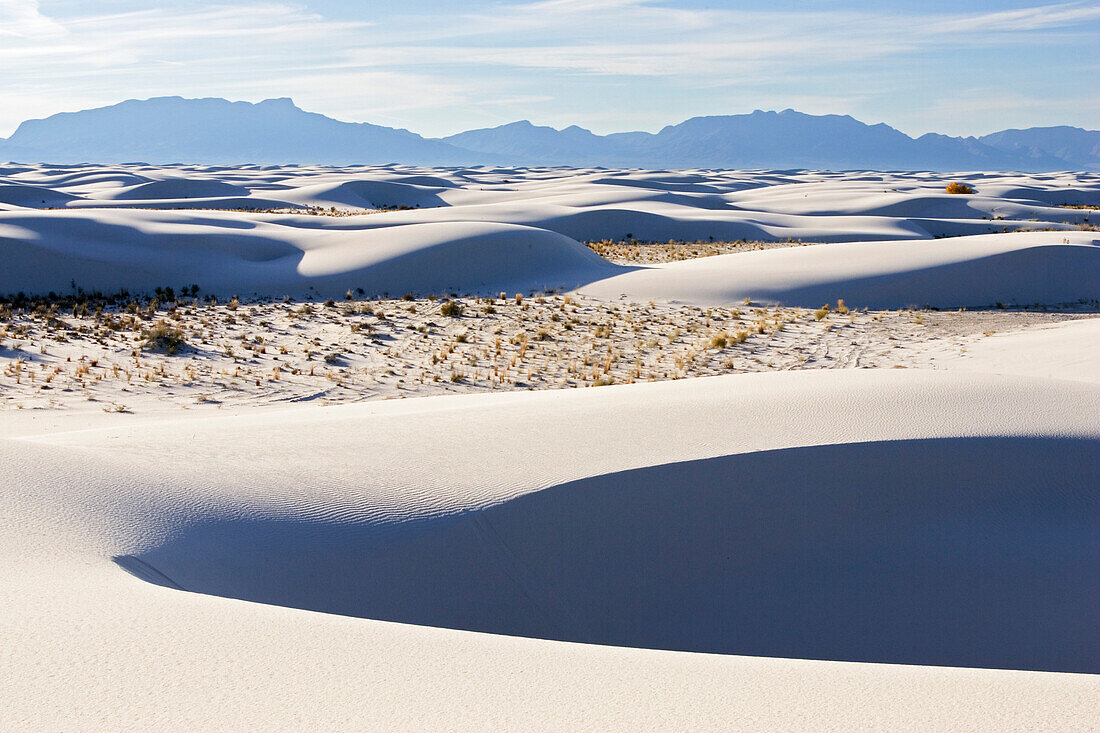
{"x":198,"y":353}
{"x":956,"y":187}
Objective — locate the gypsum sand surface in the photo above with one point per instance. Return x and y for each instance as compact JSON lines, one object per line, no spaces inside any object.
{"x":233,"y":354}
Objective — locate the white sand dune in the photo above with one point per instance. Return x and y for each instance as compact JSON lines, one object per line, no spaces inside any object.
{"x":828,"y":550}
{"x":368,"y":194}
{"x":229,"y":253}
{"x":922,"y":538}
{"x":726,"y":198}
{"x":453,"y":228}
{"x":1062,"y":351}
{"x":33,"y":196}
{"x":1021,"y":268}
{"x":177,"y":188}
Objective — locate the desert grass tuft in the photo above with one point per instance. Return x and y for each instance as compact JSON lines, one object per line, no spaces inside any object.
{"x":164,"y":337}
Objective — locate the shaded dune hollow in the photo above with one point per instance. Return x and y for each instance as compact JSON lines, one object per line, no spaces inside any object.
{"x":972,"y":552}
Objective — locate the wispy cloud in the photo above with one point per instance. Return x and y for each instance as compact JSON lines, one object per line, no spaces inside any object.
{"x":472,"y":63}
{"x":23,"y":19}
{"x":642,"y":38}
{"x":1021,"y":19}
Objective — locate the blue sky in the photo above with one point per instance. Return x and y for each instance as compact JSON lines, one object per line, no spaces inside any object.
{"x":438,"y":67}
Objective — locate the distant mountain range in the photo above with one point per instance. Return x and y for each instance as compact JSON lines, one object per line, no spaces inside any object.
{"x":177,"y":130}
{"x":213,"y":131}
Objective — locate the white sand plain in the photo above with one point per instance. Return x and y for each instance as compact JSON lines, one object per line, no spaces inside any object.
{"x":855,"y":548}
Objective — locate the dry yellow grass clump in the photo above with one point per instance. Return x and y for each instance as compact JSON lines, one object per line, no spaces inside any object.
{"x":196,"y":353}
{"x":633,"y":251}
{"x":956,"y":187}
{"x":199,"y":351}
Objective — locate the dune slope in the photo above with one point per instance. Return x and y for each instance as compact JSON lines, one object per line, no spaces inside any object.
{"x":1019,"y":269}
{"x":899,"y":553}
{"x":394,"y":229}
{"x":229,"y":254}
{"x":937,"y":502}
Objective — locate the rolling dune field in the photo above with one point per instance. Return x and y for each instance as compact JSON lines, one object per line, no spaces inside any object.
{"x":396,"y":447}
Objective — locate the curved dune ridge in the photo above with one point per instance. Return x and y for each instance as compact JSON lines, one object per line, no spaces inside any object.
{"x":898,"y":552}
{"x":1043,"y":267}
{"x":444,"y":229}
{"x":234,"y":253}
{"x":33,"y":196}
{"x":946,"y":520}
{"x":366,"y":194}
{"x":177,"y":188}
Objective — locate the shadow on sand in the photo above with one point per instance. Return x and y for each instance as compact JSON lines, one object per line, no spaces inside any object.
{"x":976,"y":552}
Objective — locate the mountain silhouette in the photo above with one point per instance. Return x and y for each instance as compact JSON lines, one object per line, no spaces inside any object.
{"x":213,"y":131}
{"x":275,"y":131}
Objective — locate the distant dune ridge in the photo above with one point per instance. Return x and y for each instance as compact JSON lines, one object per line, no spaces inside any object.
{"x":483,"y":230}
{"x":177,"y":130}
